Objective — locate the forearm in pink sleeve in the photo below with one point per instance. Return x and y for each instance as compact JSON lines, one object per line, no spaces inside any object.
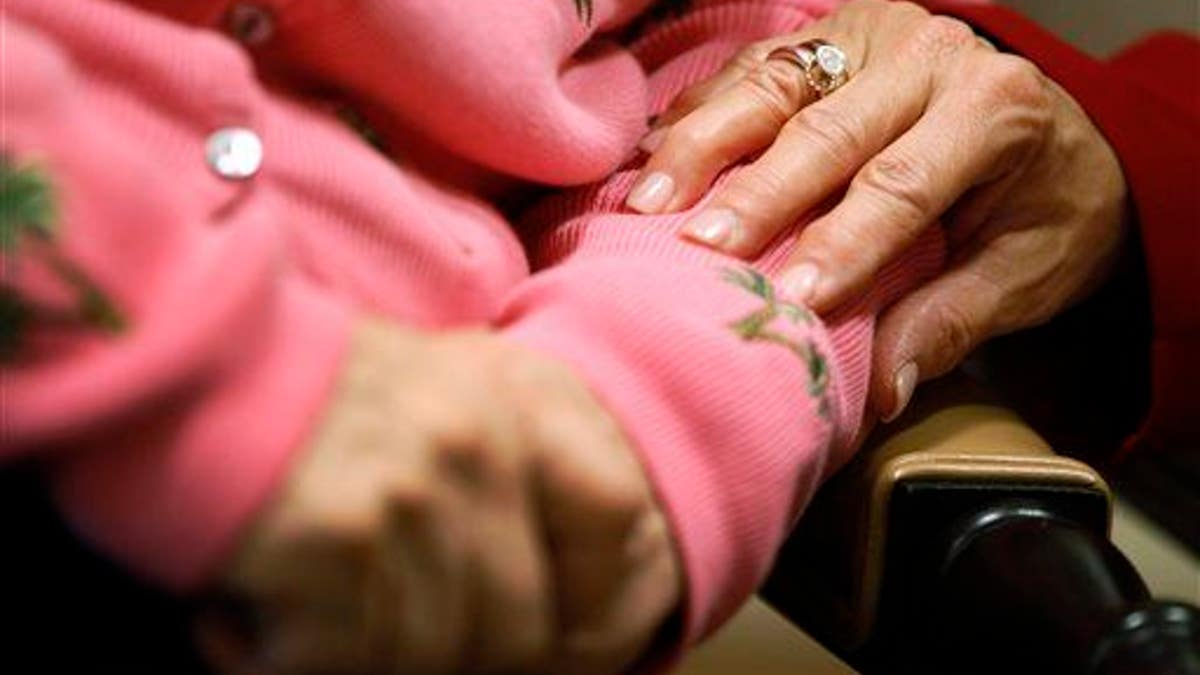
{"x":163,"y":437}
{"x":738,"y":403}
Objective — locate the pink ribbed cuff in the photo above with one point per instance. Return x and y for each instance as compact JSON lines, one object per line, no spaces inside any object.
{"x":724,"y":427}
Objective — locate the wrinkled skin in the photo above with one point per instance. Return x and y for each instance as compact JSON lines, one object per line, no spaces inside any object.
{"x":465,"y":507}
{"x":936,"y":128}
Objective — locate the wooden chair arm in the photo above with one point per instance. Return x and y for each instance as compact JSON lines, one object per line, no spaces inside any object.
{"x":957,"y":533}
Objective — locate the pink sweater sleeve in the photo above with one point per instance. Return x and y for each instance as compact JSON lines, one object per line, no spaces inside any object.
{"x":162,"y":439}
{"x":738,"y":403}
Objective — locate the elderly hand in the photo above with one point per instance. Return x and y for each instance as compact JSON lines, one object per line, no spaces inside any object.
{"x":934,"y":125}
{"x":466,"y":507}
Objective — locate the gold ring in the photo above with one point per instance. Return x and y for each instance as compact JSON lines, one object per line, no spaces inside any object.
{"x":825,"y":66}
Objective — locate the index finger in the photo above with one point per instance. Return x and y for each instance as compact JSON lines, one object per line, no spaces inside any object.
{"x":744,"y":116}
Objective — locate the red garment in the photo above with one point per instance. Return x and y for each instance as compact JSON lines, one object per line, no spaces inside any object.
{"x":1146,"y":101}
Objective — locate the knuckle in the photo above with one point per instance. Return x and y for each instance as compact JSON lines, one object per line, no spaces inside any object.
{"x":651,"y":538}
{"x":408,"y":502}
{"x":687,"y":136}
{"x":778,"y":87}
{"x":901,"y":182}
{"x":838,"y":247}
{"x":345,"y":530}
{"x":906,"y":8}
{"x":940,"y":36}
{"x":955,"y":334}
{"x":1014,"y":80}
{"x":832,"y":133}
{"x":467,"y":463}
{"x":754,"y":190}
{"x":451,"y":428}
{"x":859,"y":251}
{"x":749,"y":57}
{"x":617,"y":502}
{"x":463,"y":452}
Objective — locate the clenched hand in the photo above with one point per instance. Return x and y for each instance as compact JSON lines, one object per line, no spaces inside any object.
{"x":465,"y":507}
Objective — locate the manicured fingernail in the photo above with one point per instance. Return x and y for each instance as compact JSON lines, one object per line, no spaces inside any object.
{"x":651,"y":141}
{"x":718,"y":228}
{"x":799,"y":283}
{"x":905,"y":384}
{"x":652,"y":193}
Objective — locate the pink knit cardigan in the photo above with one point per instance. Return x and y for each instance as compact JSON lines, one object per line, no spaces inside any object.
{"x":163,"y":441}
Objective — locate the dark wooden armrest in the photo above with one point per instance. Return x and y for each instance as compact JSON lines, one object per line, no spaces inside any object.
{"x":958,"y":541}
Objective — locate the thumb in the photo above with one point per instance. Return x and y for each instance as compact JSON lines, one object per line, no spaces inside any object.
{"x":928,"y":333}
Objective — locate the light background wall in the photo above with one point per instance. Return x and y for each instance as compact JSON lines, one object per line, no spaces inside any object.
{"x":1103,"y":26}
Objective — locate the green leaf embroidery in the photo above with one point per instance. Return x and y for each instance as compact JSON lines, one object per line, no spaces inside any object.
{"x":825,"y":410}
{"x":818,"y":370}
{"x":795,"y":313}
{"x":756,"y":327}
{"x":752,"y":325}
{"x":92,"y":305}
{"x":752,"y":280}
{"x":27,"y":206}
{"x":28,"y":210}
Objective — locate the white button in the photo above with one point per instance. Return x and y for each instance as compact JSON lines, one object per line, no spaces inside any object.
{"x":234,"y":153}
{"x":250,"y":24}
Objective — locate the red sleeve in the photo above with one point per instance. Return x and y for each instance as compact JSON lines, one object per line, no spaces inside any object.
{"x":1147,"y":103}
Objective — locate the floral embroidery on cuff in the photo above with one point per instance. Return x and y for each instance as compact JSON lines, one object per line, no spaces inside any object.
{"x":28,"y":220}
{"x":756,"y":327}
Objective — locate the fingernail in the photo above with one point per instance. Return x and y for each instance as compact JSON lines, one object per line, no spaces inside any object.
{"x":717,"y":228}
{"x":905,"y":384}
{"x":651,"y":141}
{"x":652,"y":193}
{"x":799,"y":283}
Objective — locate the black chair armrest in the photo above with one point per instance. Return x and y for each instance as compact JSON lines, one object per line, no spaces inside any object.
{"x":958,"y":542}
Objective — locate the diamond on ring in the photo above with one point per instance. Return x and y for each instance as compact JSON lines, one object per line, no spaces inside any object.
{"x":825,"y":66}
{"x":832,"y":60}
